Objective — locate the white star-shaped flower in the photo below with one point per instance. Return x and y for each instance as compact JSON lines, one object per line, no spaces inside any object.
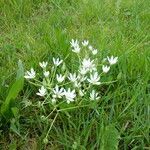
{"x":57,"y":61}
{"x":112,"y":60}
{"x":70,"y":95}
{"x":94,"y":79}
{"x":90,"y":48}
{"x":60,"y":78}
{"x":85,"y":43}
{"x":88,"y":64}
{"x":73,"y":77}
{"x":58,"y":92}
{"x":94,"y":51}
{"x":76,"y":49}
{"x":83,"y":70}
{"x":74,"y":43}
{"x":94,"y":95}
{"x":46,"y":73}
{"x":30,"y":74}
{"x":42,"y":92}
{"x":77,"y":84}
{"x":105,"y":68}
{"x":43,"y":64}
{"x":75,"y":46}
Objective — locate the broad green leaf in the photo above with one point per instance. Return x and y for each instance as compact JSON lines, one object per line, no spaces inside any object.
{"x":109,"y":138}
{"x":13,"y":92}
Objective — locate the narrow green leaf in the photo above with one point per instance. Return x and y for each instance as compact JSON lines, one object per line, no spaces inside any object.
{"x":13,"y":92}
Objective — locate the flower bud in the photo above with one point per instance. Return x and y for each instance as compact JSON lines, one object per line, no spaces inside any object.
{"x":45,"y":140}
{"x":43,"y":118}
{"x":39,"y":104}
{"x":63,"y":67}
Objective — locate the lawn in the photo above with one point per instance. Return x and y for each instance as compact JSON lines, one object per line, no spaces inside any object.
{"x":32,"y":31}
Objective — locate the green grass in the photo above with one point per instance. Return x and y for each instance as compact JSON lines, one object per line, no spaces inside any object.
{"x":36,"y":30}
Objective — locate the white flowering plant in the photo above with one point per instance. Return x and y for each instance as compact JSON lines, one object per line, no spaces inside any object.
{"x":59,"y":85}
{"x":63,"y":88}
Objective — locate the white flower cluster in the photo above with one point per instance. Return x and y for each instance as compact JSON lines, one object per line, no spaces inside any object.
{"x":61,"y":84}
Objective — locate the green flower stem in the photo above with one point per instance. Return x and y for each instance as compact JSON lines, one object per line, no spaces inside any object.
{"x":53,"y":74}
{"x":73,"y":108}
{"x":51,"y":112}
{"x":109,"y":82}
{"x":51,"y":125}
{"x":34,"y":83}
{"x":37,"y":81}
